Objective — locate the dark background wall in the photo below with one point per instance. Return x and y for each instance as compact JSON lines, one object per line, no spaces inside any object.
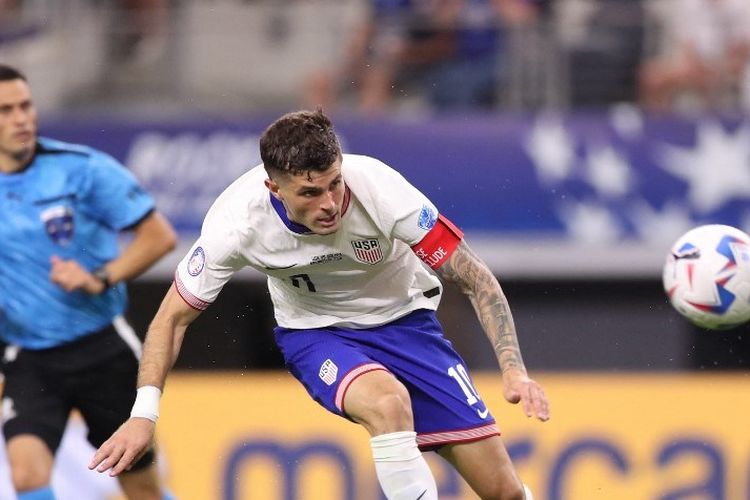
{"x":562,"y":325}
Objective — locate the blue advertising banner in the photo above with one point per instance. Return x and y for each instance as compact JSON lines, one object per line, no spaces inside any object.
{"x":603,"y":193}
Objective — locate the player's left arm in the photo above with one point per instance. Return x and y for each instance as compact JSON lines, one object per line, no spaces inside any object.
{"x":464,"y":268}
{"x":153,"y":237}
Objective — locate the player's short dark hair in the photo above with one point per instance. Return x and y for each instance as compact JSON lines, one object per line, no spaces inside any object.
{"x":299,"y":142}
{"x":8,"y":73}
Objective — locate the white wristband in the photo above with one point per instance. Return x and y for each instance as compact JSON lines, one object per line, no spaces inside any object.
{"x":147,"y":403}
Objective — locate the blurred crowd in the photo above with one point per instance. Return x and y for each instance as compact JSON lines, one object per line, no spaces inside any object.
{"x":138,"y":27}
{"x":684,"y":55}
{"x":704,"y":60}
{"x":453,"y":52}
{"x":443,"y":55}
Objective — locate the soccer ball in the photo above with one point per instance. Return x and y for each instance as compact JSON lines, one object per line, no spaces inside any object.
{"x":707,"y":276}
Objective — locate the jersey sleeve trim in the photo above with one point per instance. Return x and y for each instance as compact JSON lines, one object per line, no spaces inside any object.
{"x":189,"y":298}
{"x":437,"y":245}
{"x":145,"y":216}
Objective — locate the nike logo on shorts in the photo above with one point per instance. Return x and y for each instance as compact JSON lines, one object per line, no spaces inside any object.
{"x":423,"y":494}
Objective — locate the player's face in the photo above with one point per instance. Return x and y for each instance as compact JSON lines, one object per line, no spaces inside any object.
{"x":18,"y":126}
{"x":313,"y":199}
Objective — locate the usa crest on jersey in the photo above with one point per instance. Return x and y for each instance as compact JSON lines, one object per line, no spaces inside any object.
{"x":367,"y":251}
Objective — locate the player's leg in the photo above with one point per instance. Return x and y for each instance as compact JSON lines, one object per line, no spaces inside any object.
{"x":447,"y":408}
{"x":486,"y":466}
{"x":34,"y":417}
{"x":30,"y":464}
{"x":381,"y":403}
{"x":337,"y":374}
{"x":142,"y":483}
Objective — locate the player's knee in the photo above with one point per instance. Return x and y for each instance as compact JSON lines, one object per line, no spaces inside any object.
{"x":138,"y":492}
{"x":391,"y":411}
{"x":30,"y":461}
{"x":142,"y":484}
{"x":503,"y":491}
{"x":394,"y":409}
{"x":27,"y":477}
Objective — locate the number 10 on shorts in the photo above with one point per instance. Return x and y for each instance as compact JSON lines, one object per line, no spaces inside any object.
{"x":459,"y":374}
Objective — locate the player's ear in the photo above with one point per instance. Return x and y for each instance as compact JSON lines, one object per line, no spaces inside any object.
{"x":273,"y":187}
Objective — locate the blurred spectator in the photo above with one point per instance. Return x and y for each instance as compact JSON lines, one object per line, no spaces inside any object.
{"x":8,"y":10}
{"x":396,"y":36}
{"x":139,"y":31}
{"x":706,"y":53}
{"x":14,"y":26}
{"x":604,"y":51}
{"x":451,"y":51}
{"x":469,"y":78}
{"x":137,"y":60}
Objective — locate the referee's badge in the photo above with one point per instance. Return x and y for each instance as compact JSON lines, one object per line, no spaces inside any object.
{"x":58,"y":222}
{"x":367,"y":251}
{"x":328,"y":372}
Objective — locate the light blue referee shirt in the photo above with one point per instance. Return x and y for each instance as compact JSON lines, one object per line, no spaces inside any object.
{"x":71,"y":201}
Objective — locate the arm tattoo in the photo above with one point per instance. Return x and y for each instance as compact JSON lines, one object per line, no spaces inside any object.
{"x":478,"y":283}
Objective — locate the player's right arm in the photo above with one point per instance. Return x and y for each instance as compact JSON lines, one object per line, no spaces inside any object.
{"x":475,"y":280}
{"x":199,"y":278}
{"x":160,"y":350}
{"x":164,"y":339}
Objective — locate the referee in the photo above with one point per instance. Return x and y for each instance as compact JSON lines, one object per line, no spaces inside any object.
{"x":63,"y":295}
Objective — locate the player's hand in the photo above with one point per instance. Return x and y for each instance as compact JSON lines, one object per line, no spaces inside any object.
{"x":519,"y":388}
{"x":71,"y":276}
{"x":125,"y":447}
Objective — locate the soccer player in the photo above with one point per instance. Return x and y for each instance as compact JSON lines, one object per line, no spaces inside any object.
{"x":63,"y":295}
{"x":346,"y":243}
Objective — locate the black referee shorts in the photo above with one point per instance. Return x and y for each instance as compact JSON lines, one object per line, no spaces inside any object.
{"x":97,"y":375}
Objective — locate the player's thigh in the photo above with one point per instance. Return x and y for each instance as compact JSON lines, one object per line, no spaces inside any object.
{"x":379,"y":402}
{"x":325,"y":364}
{"x":486,"y":466}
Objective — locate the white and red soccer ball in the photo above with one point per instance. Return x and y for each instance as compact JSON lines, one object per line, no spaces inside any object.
{"x":707,"y":276}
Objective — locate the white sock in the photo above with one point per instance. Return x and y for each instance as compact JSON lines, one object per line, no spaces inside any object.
{"x":402,"y":471}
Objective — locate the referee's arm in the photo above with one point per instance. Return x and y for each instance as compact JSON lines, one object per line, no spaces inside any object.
{"x":153,"y":237}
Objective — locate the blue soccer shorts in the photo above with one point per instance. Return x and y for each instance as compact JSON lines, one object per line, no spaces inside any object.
{"x":447,"y":408}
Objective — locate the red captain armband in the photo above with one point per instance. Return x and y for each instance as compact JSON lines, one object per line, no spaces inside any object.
{"x":439,"y":243}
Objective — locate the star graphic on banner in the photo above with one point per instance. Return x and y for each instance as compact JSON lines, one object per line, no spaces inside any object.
{"x":550,"y":147}
{"x":663,"y":226}
{"x":589,"y":222}
{"x":608,"y":172}
{"x":627,"y":120}
{"x":717,"y":169}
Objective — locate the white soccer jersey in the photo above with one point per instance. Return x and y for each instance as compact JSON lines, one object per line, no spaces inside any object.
{"x":363,"y":275}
